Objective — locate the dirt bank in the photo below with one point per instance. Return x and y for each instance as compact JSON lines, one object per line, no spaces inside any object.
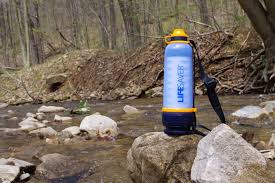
{"x":235,"y":60}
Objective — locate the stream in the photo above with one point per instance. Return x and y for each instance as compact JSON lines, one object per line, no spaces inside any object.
{"x":109,"y":157}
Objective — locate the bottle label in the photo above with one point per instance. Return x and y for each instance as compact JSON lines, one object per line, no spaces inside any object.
{"x":178,"y":82}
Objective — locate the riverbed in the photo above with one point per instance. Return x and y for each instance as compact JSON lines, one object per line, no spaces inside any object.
{"x":109,"y":157}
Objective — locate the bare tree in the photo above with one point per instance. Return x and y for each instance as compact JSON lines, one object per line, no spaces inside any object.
{"x":103,"y":25}
{"x":129,"y":9}
{"x":204,"y":15}
{"x":113,"y":24}
{"x":262,"y":16}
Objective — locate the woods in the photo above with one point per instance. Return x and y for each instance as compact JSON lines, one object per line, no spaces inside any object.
{"x":34,"y":30}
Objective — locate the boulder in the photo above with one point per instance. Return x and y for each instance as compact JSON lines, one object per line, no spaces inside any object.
{"x":99,"y":125}
{"x":50,"y":109}
{"x":57,"y":166}
{"x":74,"y":130}
{"x":156,"y":157}
{"x":251,"y":116}
{"x":44,"y":132}
{"x":130,"y":109}
{"x":3,"y":105}
{"x":56,"y":79}
{"x":30,"y":124}
{"x":222,"y":155}
{"x":58,"y":118}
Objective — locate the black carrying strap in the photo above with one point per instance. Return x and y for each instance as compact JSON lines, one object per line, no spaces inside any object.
{"x":210,"y":84}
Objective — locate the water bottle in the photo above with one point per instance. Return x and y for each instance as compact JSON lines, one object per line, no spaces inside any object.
{"x":178,"y":112}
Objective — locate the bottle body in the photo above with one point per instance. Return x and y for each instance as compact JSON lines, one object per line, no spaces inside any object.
{"x":178,"y":97}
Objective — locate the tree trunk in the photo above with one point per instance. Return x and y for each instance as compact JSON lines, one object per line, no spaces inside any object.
{"x":27,"y":38}
{"x":159,"y":24}
{"x":113,"y":24}
{"x":263,"y":22}
{"x":202,"y":4}
{"x":103,"y":25}
{"x":131,"y":22}
{"x":36,"y":44}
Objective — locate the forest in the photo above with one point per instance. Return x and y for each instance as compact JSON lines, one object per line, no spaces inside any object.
{"x":34,"y":30}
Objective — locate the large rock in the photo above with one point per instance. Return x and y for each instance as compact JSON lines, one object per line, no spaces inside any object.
{"x":50,"y":109}
{"x":250,"y":115}
{"x":156,"y":157}
{"x":30,"y":124}
{"x":98,"y":125}
{"x":56,"y":79}
{"x":222,"y":155}
{"x":44,"y":132}
{"x":57,"y":166}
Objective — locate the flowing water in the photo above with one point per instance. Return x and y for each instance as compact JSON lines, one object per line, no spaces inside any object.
{"x":109,"y":157}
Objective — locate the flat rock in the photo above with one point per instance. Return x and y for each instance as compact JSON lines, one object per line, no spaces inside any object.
{"x":50,"y":109}
{"x":9,"y":173}
{"x":156,"y":157}
{"x":58,"y":118}
{"x":99,"y":125}
{"x":222,"y":155}
{"x":3,"y":105}
{"x":130,"y":109}
{"x":30,"y":124}
{"x":10,"y":168}
{"x":57,"y":166}
{"x":23,"y":165}
{"x":251,"y":116}
{"x":250,"y":112}
{"x":44,"y":132}
{"x":74,"y":130}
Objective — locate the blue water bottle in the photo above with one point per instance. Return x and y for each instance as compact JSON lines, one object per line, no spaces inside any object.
{"x":178,"y":112}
